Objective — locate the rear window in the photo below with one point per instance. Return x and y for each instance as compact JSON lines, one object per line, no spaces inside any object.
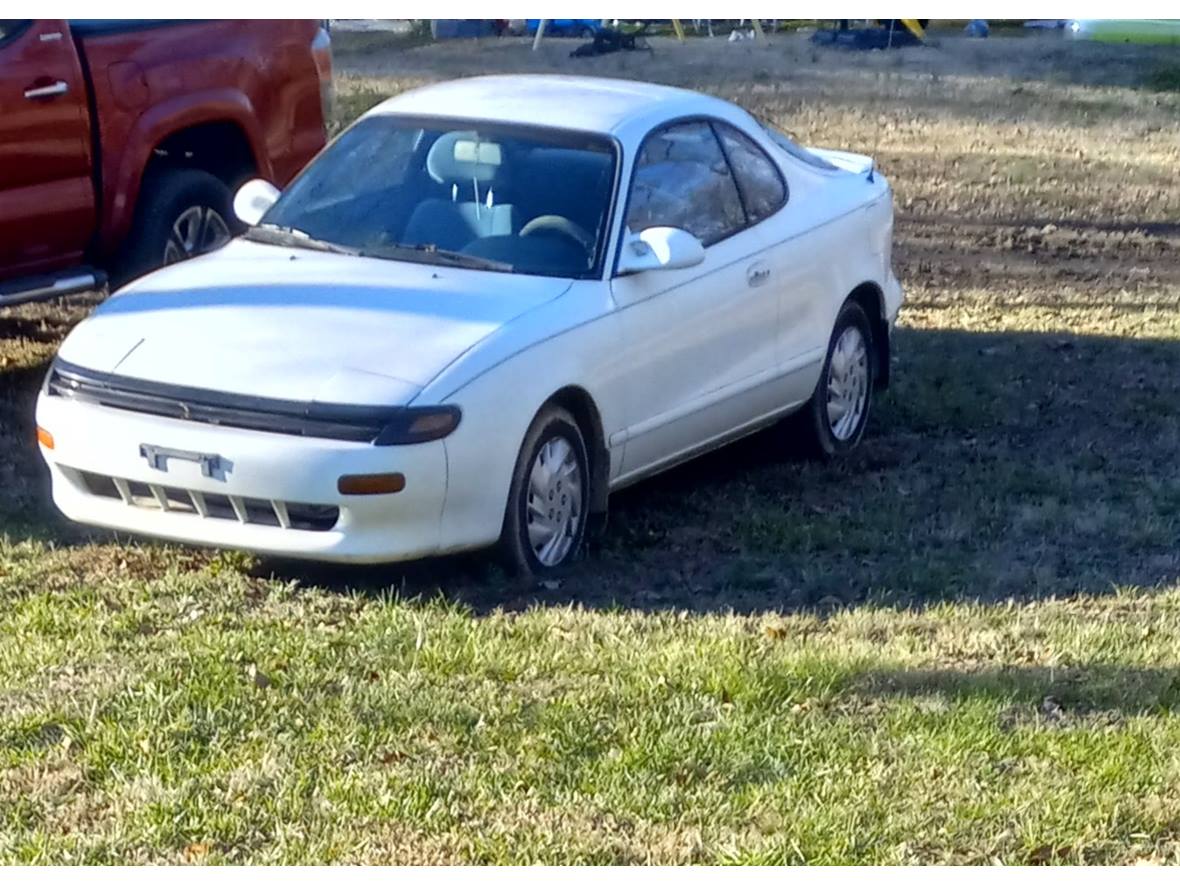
{"x":763,"y":189}
{"x":797,"y":151}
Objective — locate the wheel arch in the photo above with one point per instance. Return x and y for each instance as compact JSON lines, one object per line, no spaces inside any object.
{"x":171,"y":122}
{"x":870,"y":297}
{"x":579,"y":403}
{"x":219,"y":147}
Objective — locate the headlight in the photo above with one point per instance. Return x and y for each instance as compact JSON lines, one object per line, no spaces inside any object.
{"x":419,"y":424}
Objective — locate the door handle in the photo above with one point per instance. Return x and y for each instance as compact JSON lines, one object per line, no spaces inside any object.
{"x":757,"y":274}
{"x":58,"y":88}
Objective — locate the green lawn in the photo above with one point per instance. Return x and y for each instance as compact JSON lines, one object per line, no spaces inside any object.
{"x":959,"y":645}
{"x":193,"y":712}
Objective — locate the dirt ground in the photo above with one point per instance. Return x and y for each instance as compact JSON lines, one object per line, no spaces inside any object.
{"x":787,"y":57}
{"x":1028,"y":444}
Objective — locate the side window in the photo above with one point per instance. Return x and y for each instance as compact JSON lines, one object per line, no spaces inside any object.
{"x":10,"y":27}
{"x":760,"y":181}
{"x":682,"y":180}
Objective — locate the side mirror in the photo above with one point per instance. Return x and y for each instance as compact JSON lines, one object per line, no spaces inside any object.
{"x":660,"y":248}
{"x":253,"y":199}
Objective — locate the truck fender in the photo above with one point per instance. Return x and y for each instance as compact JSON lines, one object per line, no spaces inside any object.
{"x":122,"y":183}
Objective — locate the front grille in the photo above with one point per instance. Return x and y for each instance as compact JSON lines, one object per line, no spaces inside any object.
{"x":250,"y":511}
{"x":291,"y":417}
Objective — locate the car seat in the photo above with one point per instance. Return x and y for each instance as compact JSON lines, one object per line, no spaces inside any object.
{"x":474,"y":170}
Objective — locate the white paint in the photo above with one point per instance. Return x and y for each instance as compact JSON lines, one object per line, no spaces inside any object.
{"x":253,"y":199}
{"x":677,"y":359}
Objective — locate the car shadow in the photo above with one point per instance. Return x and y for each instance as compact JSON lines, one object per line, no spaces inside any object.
{"x":25,"y":508}
{"x":1037,"y":696}
{"x":997,"y":466}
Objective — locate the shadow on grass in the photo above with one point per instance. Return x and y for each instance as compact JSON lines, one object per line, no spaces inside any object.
{"x":1013,"y":465}
{"x":25,"y":508}
{"x":1018,"y":465}
{"x":1048,"y":695}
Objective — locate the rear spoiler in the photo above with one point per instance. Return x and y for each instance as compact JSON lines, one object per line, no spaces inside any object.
{"x":858,"y":164}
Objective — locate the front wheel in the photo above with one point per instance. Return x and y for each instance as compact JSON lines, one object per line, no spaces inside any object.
{"x":833,"y":421}
{"x":545,"y":518}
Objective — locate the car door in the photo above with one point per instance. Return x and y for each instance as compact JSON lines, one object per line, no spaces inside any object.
{"x":700,"y":341}
{"x":46,"y":193}
{"x":793,"y":257}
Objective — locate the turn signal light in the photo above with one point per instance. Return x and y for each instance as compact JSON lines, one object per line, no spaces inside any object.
{"x":45,"y":437}
{"x":371,"y":484}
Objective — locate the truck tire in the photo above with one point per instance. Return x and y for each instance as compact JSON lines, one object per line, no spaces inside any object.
{"x":181,"y":213}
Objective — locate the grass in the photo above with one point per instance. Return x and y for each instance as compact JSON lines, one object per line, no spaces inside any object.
{"x":196,"y":713}
{"x":957,"y":646}
{"x":347,"y":45}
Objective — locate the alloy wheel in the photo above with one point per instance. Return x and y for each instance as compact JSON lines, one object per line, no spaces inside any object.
{"x":197,"y":229}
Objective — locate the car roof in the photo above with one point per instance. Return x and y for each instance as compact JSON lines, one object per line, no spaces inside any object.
{"x":593,"y":104}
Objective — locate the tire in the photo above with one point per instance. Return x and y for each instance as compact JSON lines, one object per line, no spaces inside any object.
{"x":820,"y":427}
{"x":174,"y":203}
{"x":524,"y":546}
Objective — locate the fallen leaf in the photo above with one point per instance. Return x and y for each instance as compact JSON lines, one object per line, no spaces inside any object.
{"x":196,"y":851}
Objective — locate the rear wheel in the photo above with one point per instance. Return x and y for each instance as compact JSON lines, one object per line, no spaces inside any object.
{"x":545,"y":519}
{"x":833,"y":421}
{"x":182,"y":213}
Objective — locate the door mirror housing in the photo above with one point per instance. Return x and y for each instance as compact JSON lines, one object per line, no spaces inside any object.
{"x":253,"y":199}
{"x":660,"y":248}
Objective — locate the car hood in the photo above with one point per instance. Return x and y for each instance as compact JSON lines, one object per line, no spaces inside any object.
{"x":296,"y":324}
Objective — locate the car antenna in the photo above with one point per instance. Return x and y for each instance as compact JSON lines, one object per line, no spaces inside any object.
{"x":877,"y":139}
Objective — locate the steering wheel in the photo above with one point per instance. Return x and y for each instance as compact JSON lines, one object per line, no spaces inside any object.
{"x":561,"y":225}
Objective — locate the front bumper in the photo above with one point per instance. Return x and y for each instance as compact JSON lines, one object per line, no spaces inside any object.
{"x":255,"y":468}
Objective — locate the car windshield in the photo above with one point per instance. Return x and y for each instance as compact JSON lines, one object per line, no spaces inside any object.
{"x":489,"y":196}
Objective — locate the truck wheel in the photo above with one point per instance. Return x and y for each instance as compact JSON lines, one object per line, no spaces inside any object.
{"x":181,"y":213}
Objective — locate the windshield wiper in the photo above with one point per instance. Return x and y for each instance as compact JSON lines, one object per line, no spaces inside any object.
{"x":281,"y":235}
{"x":434,"y":255}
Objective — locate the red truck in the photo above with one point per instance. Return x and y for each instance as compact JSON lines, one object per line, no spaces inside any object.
{"x":121,"y":142}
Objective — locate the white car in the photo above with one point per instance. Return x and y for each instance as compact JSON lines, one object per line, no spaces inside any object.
{"x":483,"y":308}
